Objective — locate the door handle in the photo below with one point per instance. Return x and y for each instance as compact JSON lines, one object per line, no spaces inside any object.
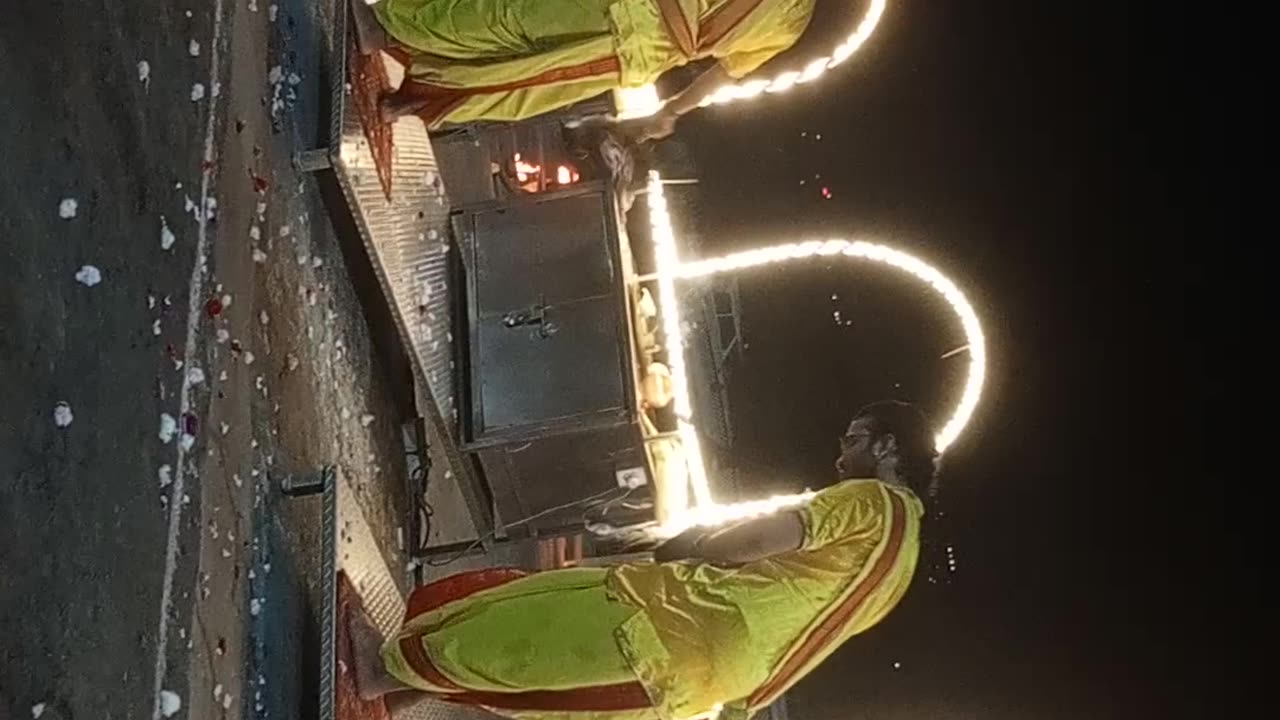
{"x":537,"y":316}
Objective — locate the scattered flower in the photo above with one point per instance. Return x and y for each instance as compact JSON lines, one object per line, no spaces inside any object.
{"x":88,"y":275}
{"x":168,"y":427}
{"x":170,"y":703}
{"x":62,"y":415}
{"x":167,"y":237}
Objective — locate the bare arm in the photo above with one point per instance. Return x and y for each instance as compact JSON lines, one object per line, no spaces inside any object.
{"x":692,"y":96}
{"x":753,"y":539}
{"x":663,"y":123}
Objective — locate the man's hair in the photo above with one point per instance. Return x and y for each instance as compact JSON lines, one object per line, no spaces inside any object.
{"x":917,"y":449}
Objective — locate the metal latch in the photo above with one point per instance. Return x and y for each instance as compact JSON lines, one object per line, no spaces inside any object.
{"x":536,"y":315}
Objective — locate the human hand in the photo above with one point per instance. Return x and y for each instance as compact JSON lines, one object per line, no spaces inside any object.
{"x":681,"y":547}
{"x":655,"y":127}
{"x":661,"y":125}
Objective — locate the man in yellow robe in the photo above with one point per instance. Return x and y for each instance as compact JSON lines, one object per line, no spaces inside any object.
{"x":507,"y":60}
{"x":723,"y":623}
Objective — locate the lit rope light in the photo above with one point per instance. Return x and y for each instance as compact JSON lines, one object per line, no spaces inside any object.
{"x":896,"y":258}
{"x":667,"y":261}
{"x":787,"y":80}
{"x":636,"y":102}
{"x":715,"y":514}
{"x":643,"y":101}
{"x":670,"y":268}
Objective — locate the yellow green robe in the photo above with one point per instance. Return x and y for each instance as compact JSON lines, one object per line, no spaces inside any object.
{"x":671,"y":641}
{"x":507,"y":60}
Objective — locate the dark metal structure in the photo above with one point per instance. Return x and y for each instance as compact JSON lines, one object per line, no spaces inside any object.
{"x":547,"y":365}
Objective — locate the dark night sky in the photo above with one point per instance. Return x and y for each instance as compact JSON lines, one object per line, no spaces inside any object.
{"x":1054,"y":159}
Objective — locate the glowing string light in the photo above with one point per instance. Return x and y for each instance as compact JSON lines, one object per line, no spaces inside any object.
{"x":643,"y":101}
{"x":787,"y":80}
{"x":670,"y":268}
{"x":896,"y":258}
{"x":667,"y":256}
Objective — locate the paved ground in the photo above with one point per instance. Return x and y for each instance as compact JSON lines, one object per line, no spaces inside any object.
{"x":135,"y":563}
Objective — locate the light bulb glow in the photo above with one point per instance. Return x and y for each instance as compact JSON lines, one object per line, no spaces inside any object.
{"x":642,"y":101}
{"x":787,"y":80}
{"x":667,"y":260}
{"x":670,"y":268}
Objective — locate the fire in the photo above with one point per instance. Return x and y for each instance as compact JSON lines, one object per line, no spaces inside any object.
{"x":530,"y":176}
{"x":566,"y":175}
{"x":526,"y":171}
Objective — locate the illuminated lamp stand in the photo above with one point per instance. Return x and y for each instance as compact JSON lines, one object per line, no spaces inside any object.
{"x":704,"y":510}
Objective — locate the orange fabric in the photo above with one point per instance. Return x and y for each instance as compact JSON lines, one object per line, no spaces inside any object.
{"x":696,"y":37}
{"x":601,"y":698}
{"x":428,"y":597}
{"x":437,"y":102}
{"x":679,"y":27}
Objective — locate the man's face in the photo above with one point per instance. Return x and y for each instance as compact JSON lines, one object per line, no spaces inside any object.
{"x":856,"y":459}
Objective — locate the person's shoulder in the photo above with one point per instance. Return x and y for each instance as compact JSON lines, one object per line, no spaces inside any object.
{"x":869,"y":490}
{"x":854,"y":486}
{"x":908,"y":496}
{"x":844,"y":510}
{"x":862,"y":492}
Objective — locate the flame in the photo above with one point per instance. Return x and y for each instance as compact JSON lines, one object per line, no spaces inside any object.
{"x":529,"y":175}
{"x":525,"y":171}
{"x":566,"y":175}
